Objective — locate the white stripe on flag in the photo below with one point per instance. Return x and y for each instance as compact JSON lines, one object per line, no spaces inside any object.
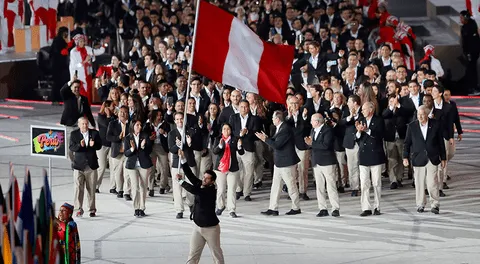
{"x":243,"y":58}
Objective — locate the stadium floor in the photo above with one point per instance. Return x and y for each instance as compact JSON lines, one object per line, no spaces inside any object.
{"x":399,"y":235}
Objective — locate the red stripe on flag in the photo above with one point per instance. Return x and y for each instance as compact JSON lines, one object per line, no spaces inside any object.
{"x":274,"y":71}
{"x":211,"y":41}
{"x":471,"y":130}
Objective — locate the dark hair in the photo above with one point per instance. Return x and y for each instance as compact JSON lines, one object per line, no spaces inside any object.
{"x":355,"y":98}
{"x":76,"y":81}
{"x":153,"y":115}
{"x":212,"y":174}
{"x":244,"y":101}
{"x":428,"y":83}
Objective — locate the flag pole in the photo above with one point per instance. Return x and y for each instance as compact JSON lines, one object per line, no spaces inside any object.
{"x":12,"y":212}
{"x":189,"y":81}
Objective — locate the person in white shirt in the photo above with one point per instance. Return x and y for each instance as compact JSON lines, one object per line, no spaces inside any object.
{"x":435,"y":64}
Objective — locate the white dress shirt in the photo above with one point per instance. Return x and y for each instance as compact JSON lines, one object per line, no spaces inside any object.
{"x":85,"y":137}
{"x":438,"y":106}
{"x":317,"y":131}
{"x":424,"y":129}
{"x":243,"y":121}
{"x":415,"y":99}
{"x":137,"y":144}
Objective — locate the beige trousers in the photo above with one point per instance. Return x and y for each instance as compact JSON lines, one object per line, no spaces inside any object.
{"x":68,"y":131}
{"x":395,"y":160}
{"x":247,"y":164}
{"x":353,"y":167}
{"x":259,"y":161}
{"x":203,"y":163}
{"x":179,"y":192}
{"x":127,"y":184}
{"x":104,"y":161}
{"x":341,"y":170}
{"x":442,"y":172}
{"x":326,"y":175}
{"x":287,"y":175}
{"x":210,"y":235}
{"x":366,"y":183}
{"x":301,"y":170}
{"x":160,"y":166}
{"x":86,"y":179}
{"x":118,"y":171}
{"x":426,"y":175}
{"x":227,"y":182}
{"x":139,"y":178}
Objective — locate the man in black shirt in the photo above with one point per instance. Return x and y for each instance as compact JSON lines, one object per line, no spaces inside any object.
{"x":203,"y":214}
{"x":471,"y":48}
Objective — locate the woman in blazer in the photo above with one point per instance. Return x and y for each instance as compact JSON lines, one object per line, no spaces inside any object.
{"x":138,"y":147}
{"x":158,"y":130}
{"x":227,"y":169}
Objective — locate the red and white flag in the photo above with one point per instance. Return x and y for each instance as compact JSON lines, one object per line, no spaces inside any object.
{"x":228,"y":51}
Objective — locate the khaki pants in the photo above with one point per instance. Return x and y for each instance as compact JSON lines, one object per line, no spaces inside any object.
{"x":104,"y":160}
{"x":68,"y":131}
{"x":247,"y":164}
{"x":160,"y":166}
{"x":366,"y":183}
{"x":287,"y":175}
{"x":259,"y":161}
{"x":210,"y":235}
{"x":353,"y":167}
{"x":203,"y":163}
{"x":301,"y":170}
{"x":227,"y":182}
{"x":127,"y":183}
{"x":340,"y":170}
{"x":86,"y":179}
{"x":442,"y":172}
{"x":118,"y":171}
{"x":139,"y":178}
{"x":395,"y":161}
{"x":426,"y":175}
{"x":326,"y":174}
{"x":179,"y":192}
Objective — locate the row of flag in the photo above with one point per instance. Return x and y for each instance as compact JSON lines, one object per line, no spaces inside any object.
{"x":27,"y":233}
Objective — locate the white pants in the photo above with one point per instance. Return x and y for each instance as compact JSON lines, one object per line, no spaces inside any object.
{"x":395,"y":161}
{"x":202,"y":235}
{"x":139,"y":178}
{"x":259,"y":161}
{"x":366,"y":183}
{"x":179,"y":192}
{"x":340,"y":170}
{"x":247,"y":164}
{"x":353,"y":167}
{"x":426,"y":175}
{"x":227,"y":182}
{"x":104,"y":161}
{"x":302,"y":169}
{"x":117,"y":171}
{"x":287,"y":175}
{"x":442,"y":172}
{"x":203,"y":163}
{"x":86,"y":179}
{"x":160,"y":166}
{"x":326,"y":175}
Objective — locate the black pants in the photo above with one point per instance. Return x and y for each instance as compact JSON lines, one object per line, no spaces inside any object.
{"x":59,"y":80}
{"x":471,"y":75}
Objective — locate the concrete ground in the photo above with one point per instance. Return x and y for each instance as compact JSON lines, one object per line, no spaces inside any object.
{"x":399,"y":235}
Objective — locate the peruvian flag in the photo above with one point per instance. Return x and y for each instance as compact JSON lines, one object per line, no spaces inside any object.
{"x":227,"y":51}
